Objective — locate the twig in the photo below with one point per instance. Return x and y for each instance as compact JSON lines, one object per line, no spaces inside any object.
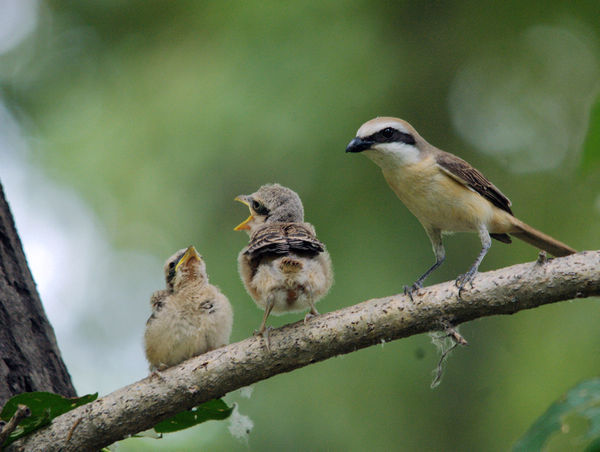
{"x":22,"y":412}
{"x":73,"y":429}
{"x":542,"y":258}
{"x":440,"y":340}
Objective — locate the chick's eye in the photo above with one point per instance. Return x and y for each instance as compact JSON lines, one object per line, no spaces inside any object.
{"x":171,"y":264}
{"x":259,"y":207}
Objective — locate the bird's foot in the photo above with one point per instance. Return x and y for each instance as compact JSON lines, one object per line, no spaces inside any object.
{"x":156,"y":373}
{"x":310,"y":314}
{"x":408,"y":290}
{"x":264,"y":333}
{"x":465,"y":279}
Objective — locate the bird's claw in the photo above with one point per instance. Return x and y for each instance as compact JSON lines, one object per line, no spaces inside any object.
{"x":156,"y":373}
{"x":463,"y":280}
{"x":408,"y":290}
{"x":310,"y":314}
{"x":264,"y":333}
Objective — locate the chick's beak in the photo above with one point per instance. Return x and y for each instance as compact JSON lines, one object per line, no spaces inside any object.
{"x":244,"y":225}
{"x":190,"y":254}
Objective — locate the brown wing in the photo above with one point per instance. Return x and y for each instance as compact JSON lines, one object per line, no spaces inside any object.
{"x":283,"y":238}
{"x":464,"y":173}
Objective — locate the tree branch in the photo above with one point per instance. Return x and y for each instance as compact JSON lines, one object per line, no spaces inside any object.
{"x":22,"y":412}
{"x":141,"y":405}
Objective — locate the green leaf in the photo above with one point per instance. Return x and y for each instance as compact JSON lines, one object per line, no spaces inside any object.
{"x":590,"y":160}
{"x":580,"y":402}
{"x":44,"y":407}
{"x":594,"y":446}
{"x":211,"y":410}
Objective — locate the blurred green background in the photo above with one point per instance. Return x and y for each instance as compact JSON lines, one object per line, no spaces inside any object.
{"x":128,"y":127}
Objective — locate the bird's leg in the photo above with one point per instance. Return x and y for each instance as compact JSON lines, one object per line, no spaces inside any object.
{"x":263,"y":330}
{"x":156,"y":371}
{"x":312,"y":313}
{"x":435,"y":235}
{"x":486,"y":243}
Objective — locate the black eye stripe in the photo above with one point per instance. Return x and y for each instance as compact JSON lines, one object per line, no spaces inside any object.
{"x":391,"y":135}
{"x":171,"y":275}
{"x":259,"y":207}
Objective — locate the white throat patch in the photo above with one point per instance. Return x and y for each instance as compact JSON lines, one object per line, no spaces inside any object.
{"x":389,"y":155}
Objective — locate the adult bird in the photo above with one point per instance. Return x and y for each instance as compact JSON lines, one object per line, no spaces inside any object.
{"x":445,"y":193}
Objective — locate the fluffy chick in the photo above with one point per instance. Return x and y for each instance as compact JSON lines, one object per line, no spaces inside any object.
{"x":284,"y":267}
{"x":190,"y":317}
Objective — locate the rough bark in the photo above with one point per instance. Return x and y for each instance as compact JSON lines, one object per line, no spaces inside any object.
{"x":6,"y":428}
{"x":141,"y":405}
{"x":29,"y":356}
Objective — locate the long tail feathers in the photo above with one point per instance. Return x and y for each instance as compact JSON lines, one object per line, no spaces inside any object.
{"x":540,"y":240}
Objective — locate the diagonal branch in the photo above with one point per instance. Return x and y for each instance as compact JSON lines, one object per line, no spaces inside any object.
{"x":22,"y":412}
{"x":141,"y":405}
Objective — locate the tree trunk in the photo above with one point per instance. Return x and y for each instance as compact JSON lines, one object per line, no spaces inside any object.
{"x":29,"y":356}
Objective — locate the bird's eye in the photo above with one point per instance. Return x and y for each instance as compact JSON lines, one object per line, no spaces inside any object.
{"x":259,"y":207}
{"x":171,"y":264}
{"x":388,"y":132}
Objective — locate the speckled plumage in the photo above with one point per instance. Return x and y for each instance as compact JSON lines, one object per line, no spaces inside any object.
{"x":284,"y":268}
{"x":188,"y":318}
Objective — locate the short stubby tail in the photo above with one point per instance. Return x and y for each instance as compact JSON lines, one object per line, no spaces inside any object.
{"x":540,"y":240}
{"x":290,"y":265}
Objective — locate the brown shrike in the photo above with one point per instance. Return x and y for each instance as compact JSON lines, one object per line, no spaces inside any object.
{"x":444,"y":192}
{"x":284,"y":267}
{"x":189,"y":317}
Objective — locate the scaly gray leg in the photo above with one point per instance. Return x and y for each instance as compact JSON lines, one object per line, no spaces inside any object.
{"x":486,"y":243}
{"x":435,"y":236}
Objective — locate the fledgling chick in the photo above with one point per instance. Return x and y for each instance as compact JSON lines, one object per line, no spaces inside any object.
{"x":284,"y":267}
{"x":190,"y":317}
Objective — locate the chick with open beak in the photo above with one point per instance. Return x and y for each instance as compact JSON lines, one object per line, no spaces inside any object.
{"x":284,"y":267}
{"x":189,"y":317}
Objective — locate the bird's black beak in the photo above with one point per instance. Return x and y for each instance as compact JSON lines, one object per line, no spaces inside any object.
{"x":358,"y":145}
